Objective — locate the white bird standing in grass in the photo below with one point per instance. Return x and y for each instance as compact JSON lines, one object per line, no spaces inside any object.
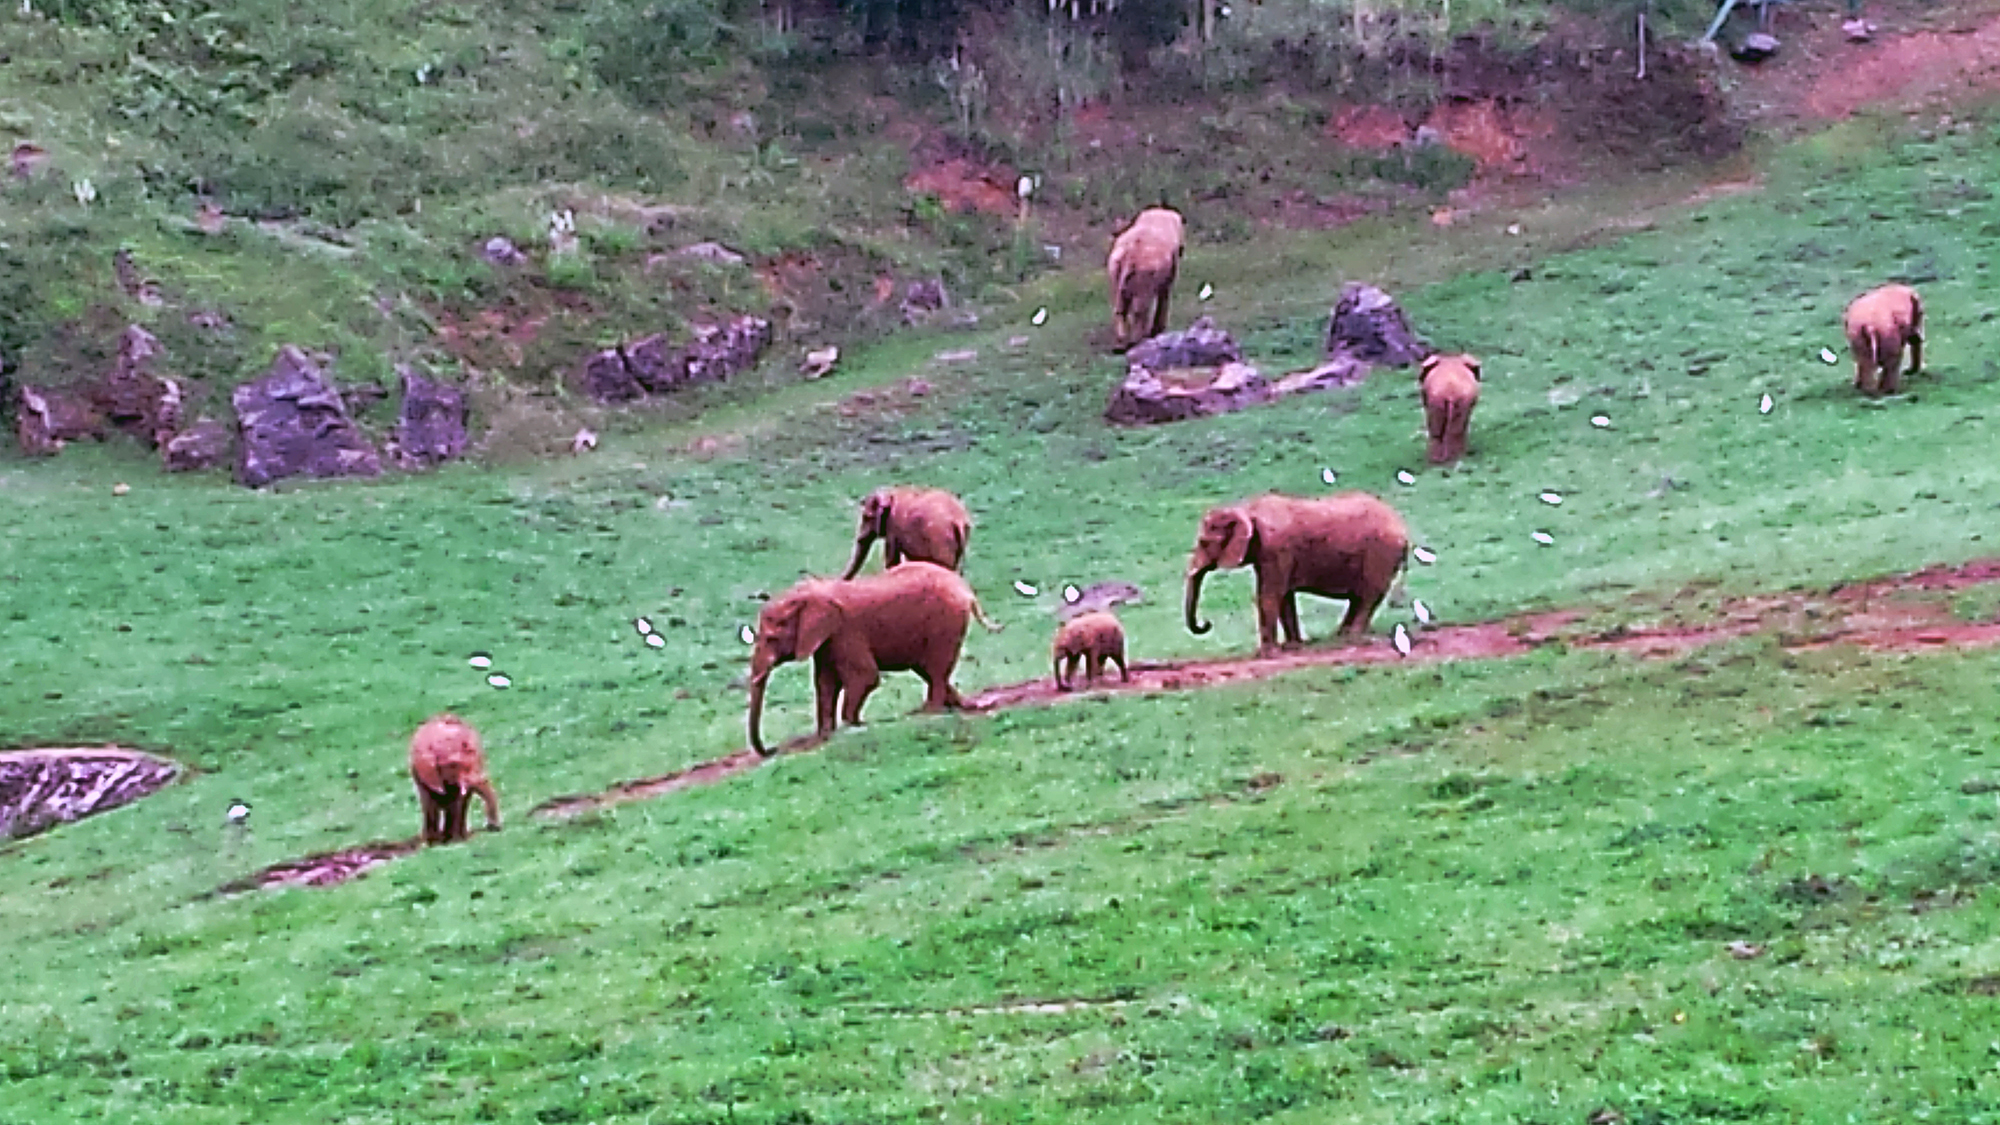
{"x":1328,"y":476}
{"x":749,"y":635}
{"x":1402,"y":640}
{"x":1422,"y":611}
{"x":1023,"y":589}
{"x":1424,"y":555}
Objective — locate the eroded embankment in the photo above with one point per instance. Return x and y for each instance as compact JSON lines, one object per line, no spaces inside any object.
{"x":1896,"y":613}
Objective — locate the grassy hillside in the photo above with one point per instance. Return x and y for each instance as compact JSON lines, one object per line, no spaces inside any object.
{"x":1487,"y":891}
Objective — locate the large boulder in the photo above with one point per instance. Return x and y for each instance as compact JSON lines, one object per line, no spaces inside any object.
{"x":293,"y":423}
{"x":605,"y":377}
{"x":47,"y":418}
{"x":1147,"y":397}
{"x":656,"y":365}
{"x":1180,"y":375}
{"x":203,"y":445}
{"x":430,"y":429}
{"x":42,"y":788}
{"x":1201,"y":344}
{"x":721,"y":350}
{"x":133,"y":396}
{"x":1368,"y":325}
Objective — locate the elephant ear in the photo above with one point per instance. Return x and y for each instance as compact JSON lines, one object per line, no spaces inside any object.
{"x":1424,"y":369}
{"x":1472,"y":363}
{"x":816,"y":621}
{"x":1236,"y":548}
{"x":875,"y":512}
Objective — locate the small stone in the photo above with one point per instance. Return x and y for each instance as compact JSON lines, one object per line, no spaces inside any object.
{"x":120,"y":489}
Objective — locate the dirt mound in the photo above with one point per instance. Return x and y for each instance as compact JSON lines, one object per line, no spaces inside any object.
{"x":40,"y":789}
{"x":966,"y":187}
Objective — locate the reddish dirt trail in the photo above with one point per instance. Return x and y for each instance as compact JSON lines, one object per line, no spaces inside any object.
{"x":1900,"y":613}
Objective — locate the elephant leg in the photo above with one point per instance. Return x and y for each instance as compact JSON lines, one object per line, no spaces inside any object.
{"x":1360,"y":609}
{"x":1124,"y":676}
{"x":1916,"y":353}
{"x":454,"y":815}
{"x":1289,"y":618}
{"x":1892,"y":372}
{"x":1864,"y":364}
{"x":858,"y":676}
{"x":892,"y":552}
{"x":1270,"y":610}
{"x":1160,"y":309}
{"x":433,"y":815}
{"x":826,"y":695}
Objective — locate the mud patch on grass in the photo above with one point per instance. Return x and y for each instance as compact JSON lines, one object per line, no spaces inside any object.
{"x":327,"y":869}
{"x":40,"y":789}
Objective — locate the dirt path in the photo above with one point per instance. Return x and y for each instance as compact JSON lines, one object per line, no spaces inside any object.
{"x":1901,"y":613}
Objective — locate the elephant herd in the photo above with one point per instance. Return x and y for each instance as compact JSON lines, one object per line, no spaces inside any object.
{"x":914,"y":614}
{"x":1145,"y":257}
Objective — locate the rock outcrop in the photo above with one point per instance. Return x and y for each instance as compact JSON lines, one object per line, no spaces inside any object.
{"x":430,"y":429}
{"x":43,"y":788}
{"x":1366,"y":324}
{"x":293,"y":423}
{"x":48,"y":418}
{"x":1200,"y":372}
{"x":657,"y":365}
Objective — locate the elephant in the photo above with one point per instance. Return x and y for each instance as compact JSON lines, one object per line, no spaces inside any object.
{"x":1089,"y":639}
{"x":1144,"y":259}
{"x":909,"y":618}
{"x":1349,"y":545}
{"x":914,"y":524}
{"x":1450,"y":387}
{"x":1880,"y":323}
{"x":448,"y":766}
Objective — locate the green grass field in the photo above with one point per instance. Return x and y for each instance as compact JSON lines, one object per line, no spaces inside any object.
{"x":1490,"y":891}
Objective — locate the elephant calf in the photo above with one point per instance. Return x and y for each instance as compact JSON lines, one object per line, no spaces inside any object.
{"x":1144,"y":259}
{"x":909,"y":618}
{"x":1349,"y":545}
{"x":1880,"y":323}
{"x":1089,"y":639}
{"x":448,"y":766}
{"x":1450,"y":387}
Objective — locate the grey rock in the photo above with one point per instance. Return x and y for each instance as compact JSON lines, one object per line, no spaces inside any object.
{"x":606,"y":377}
{"x":1147,"y":397}
{"x":43,"y":788}
{"x":47,"y":418}
{"x":1100,"y":596}
{"x":713,"y":252}
{"x":721,"y":350}
{"x":292,"y":423}
{"x":1368,"y":325}
{"x":502,"y":252}
{"x":203,"y":445}
{"x":133,"y":396}
{"x":1756,"y":47}
{"x":1201,"y":344}
{"x":430,"y":427}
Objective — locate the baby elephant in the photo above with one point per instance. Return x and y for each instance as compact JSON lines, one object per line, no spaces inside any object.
{"x":1450,"y":385}
{"x":1089,"y":639}
{"x":1880,"y":323}
{"x":448,"y":767}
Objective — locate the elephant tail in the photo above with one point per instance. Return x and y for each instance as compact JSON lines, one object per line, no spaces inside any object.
{"x":992,"y":626}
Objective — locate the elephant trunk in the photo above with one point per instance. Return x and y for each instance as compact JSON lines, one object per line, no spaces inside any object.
{"x":757,"y":683}
{"x":1193,"y":601}
{"x":861,"y":544}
